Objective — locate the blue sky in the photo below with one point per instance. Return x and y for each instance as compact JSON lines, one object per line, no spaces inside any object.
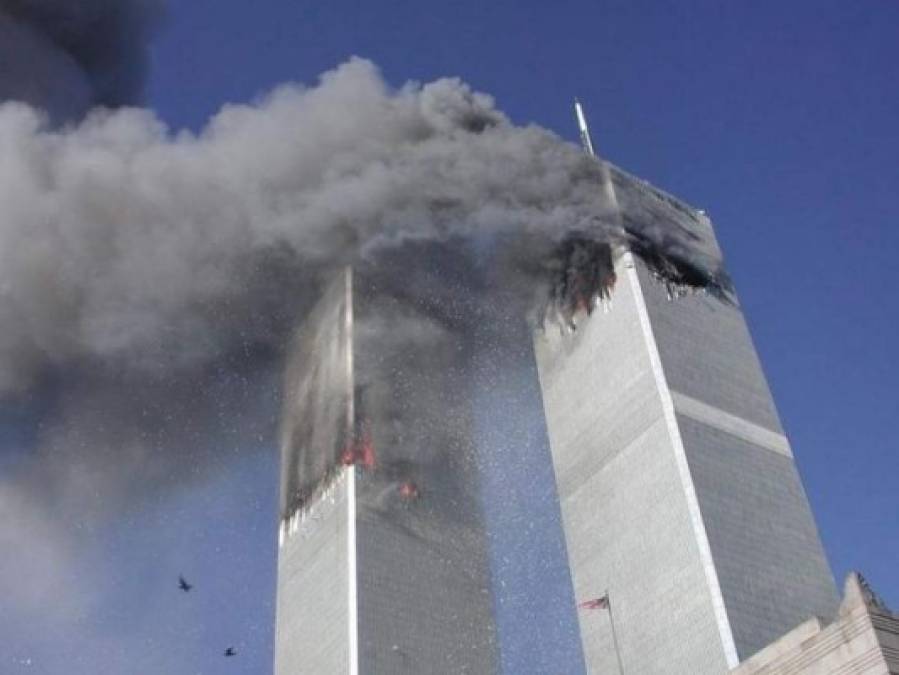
{"x":779,"y":119}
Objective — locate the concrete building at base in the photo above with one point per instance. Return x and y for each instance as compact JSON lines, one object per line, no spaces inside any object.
{"x":862,"y":640}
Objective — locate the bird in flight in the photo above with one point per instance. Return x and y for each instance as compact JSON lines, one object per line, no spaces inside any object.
{"x":230,"y":652}
{"x":183,"y":585}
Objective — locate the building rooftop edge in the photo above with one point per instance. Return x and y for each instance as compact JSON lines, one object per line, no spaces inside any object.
{"x":676,"y":202}
{"x":858,"y":600}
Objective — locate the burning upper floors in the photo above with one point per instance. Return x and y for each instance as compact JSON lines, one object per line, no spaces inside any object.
{"x":379,"y":370}
{"x":380,"y":381}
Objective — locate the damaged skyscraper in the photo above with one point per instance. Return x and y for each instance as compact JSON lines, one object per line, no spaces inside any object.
{"x":383,"y":564}
{"x":681,"y":505}
{"x":681,"y":502}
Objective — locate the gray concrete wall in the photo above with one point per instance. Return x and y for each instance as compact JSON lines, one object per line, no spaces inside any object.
{"x":770,"y":563}
{"x":707,"y":353}
{"x":627,"y":522}
{"x":312,"y":610}
{"x":424,"y":607}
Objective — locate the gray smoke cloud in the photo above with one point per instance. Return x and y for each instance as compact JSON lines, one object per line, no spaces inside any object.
{"x":150,"y":279}
{"x":122,"y":242}
{"x":66,"y":57}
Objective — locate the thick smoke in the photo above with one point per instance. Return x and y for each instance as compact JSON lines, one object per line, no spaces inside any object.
{"x":66,"y":57}
{"x":121,"y":242}
{"x":150,"y":280}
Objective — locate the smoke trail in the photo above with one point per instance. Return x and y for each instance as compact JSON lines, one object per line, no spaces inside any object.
{"x":123,"y":242}
{"x":66,"y":57}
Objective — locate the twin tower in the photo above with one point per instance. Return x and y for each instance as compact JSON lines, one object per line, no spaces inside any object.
{"x":690,"y":543}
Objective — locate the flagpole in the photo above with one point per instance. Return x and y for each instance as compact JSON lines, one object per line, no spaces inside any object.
{"x":614,"y":634}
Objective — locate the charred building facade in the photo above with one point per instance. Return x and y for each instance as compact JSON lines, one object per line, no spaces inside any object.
{"x":383,"y":563}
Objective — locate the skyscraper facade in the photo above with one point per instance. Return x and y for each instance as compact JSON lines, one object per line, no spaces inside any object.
{"x":383,"y":564}
{"x":679,"y":492}
{"x":690,"y":541}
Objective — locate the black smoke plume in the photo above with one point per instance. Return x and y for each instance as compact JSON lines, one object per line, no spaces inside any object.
{"x":154,"y":277}
{"x":124,"y":243}
{"x":67,"y":56}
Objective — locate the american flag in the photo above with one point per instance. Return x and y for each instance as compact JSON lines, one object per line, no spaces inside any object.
{"x":596,"y":603}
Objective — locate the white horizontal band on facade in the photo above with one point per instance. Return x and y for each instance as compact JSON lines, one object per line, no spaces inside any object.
{"x":731,"y":424}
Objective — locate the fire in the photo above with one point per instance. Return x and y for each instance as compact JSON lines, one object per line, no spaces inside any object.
{"x":581,"y":275}
{"x":408,"y":491}
{"x":366,"y":450}
{"x":361,"y":451}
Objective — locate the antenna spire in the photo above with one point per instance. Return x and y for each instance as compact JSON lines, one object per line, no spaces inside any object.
{"x":582,"y":127}
{"x":608,"y":186}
